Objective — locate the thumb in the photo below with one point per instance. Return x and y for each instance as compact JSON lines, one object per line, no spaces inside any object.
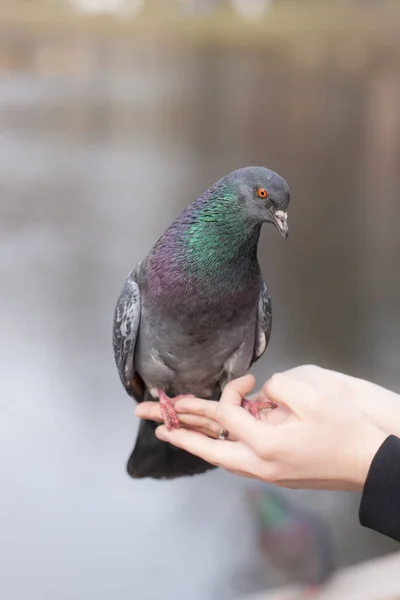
{"x":297,"y":395}
{"x":237,"y":389}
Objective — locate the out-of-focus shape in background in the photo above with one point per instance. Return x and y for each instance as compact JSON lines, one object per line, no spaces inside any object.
{"x":108,"y":128}
{"x":295,"y":541}
{"x":375,"y":579}
{"x":247,"y":9}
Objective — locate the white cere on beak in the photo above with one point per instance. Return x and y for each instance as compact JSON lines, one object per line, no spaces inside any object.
{"x":281,"y":222}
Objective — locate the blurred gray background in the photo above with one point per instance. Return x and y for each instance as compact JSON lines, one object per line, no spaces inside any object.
{"x":106,"y":133}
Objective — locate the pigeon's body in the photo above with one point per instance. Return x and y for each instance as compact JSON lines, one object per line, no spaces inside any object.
{"x":195,"y":313}
{"x":220,"y":333}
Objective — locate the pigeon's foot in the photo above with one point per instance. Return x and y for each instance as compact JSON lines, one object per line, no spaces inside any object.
{"x":254,"y":406}
{"x":167,"y":408}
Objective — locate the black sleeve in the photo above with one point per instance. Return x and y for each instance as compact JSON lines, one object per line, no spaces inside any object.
{"x":380,"y":502}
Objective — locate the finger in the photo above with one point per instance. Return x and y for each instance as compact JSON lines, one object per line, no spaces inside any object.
{"x":258,"y":396}
{"x":317,"y":375}
{"x":238,"y":423}
{"x":279,"y":415}
{"x":297,"y":395}
{"x":202,"y":424}
{"x":149,"y":410}
{"x":241,"y":424}
{"x":208,"y":426}
{"x":197,"y":406}
{"x":209,"y":408}
{"x":233,"y":393}
{"x":222,"y":453}
{"x":235,"y":390}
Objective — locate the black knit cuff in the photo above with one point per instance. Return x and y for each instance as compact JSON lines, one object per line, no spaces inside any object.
{"x":380,"y":502}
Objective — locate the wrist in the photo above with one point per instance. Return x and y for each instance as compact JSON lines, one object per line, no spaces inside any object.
{"x":382,"y":406}
{"x":370,"y":440}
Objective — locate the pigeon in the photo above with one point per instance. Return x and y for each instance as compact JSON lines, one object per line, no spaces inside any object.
{"x":196,"y":313}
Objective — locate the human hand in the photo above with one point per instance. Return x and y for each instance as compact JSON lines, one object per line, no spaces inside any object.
{"x":204,"y":424}
{"x":319,"y":444}
{"x":381,"y":405}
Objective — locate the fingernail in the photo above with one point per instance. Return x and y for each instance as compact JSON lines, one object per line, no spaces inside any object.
{"x":138,"y":411}
{"x":161,"y":434}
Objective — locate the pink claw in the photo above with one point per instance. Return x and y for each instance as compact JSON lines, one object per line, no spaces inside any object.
{"x":254,"y":406}
{"x":168,"y":412}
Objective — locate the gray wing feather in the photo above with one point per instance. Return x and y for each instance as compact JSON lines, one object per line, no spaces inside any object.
{"x":264,"y":323}
{"x":125,"y":330}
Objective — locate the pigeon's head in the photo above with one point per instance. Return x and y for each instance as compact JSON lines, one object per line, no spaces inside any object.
{"x":264,"y":196}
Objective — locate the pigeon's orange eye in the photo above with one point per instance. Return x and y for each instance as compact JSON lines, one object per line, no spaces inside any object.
{"x":262,"y":193}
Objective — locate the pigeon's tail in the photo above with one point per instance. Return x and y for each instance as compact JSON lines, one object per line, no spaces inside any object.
{"x":153,"y":458}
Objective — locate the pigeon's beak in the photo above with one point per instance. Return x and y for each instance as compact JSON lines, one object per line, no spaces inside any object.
{"x":281,"y":222}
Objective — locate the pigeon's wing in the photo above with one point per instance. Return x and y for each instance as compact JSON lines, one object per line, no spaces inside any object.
{"x":264,"y":323}
{"x":125,"y":331}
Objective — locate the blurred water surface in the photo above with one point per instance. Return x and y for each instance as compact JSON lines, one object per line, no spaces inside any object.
{"x":101,"y":145}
